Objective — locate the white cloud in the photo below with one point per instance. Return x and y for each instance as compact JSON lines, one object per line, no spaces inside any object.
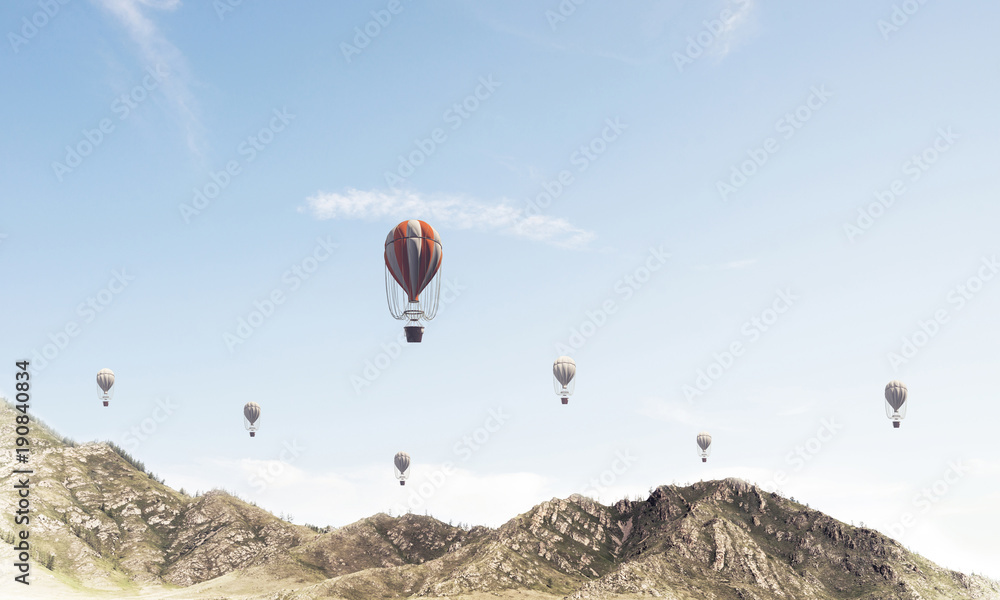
{"x":738,"y":264}
{"x":445,"y":491}
{"x":729,"y":266}
{"x":728,"y":38}
{"x":156,"y":51}
{"x":454,"y":212}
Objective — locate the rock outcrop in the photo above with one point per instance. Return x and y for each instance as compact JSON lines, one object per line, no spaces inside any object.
{"x":103,"y":522}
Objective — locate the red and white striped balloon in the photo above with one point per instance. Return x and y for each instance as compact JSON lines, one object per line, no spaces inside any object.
{"x":413,"y":256}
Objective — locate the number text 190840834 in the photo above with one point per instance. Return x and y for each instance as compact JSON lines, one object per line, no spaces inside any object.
{"x":21,"y":476}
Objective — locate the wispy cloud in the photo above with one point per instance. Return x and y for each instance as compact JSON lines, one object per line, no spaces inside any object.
{"x":647,"y":43}
{"x":455,"y":212}
{"x":454,"y":493}
{"x":729,"y":36}
{"x":737,"y":264}
{"x":729,"y":266}
{"x":157,"y":50}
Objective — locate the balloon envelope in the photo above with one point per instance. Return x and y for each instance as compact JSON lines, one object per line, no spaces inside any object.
{"x":402,"y":461}
{"x":704,"y":440}
{"x":564,"y":370}
{"x":252,"y":412}
{"x":413,"y":256}
{"x":105,"y":379}
{"x":895,"y":394}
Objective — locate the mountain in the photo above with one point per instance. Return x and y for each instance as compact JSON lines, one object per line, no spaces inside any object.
{"x":104,"y":527}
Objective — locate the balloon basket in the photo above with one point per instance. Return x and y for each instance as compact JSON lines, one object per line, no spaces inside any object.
{"x":253,"y":434}
{"x":105,"y":403}
{"x":414,"y":333}
{"x":895,"y":424}
{"x":565,"y":400}
{"x":704,"y":460}
{"x":402,"y":483}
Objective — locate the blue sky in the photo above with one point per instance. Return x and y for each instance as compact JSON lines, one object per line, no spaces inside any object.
{"x":638,"y":122}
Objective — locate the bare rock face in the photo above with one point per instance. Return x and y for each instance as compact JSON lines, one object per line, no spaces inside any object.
{"x":728,"y":539}
{"x":218,"y":534}
{"x":381,"y":542}
{"x":106,"y":524}
{"x":721,"y":539}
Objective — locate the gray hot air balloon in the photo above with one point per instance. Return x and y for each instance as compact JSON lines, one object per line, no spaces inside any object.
{"x":895,"y":402}
{"x":402,"y":464}
{"x":704,"y":445}
{"x":251,"y":415}
{"x":106,"y":382}
{"x":564,"y":374}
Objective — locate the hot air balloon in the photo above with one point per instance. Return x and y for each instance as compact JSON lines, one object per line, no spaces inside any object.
{"x":895,"y":402}
{"x":564,"y":374}
{"x":402,"y":464}
{"x":105,"y":382}
{"x":412,"y":264}
{"x":251,"y":414}
{"x":704,"y":445}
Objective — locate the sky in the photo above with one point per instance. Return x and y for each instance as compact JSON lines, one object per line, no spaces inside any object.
{"x":737,"y":217}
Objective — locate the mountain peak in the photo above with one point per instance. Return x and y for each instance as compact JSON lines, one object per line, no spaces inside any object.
{"x":108,"y":525}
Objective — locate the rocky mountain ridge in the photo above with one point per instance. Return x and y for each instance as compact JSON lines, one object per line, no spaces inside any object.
{"x":101,"y":524}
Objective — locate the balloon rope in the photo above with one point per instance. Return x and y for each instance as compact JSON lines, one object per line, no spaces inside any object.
{"x":393,"y":295}
{"x":431,"y":296}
